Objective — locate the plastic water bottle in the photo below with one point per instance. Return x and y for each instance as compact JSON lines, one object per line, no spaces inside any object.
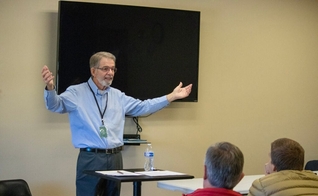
{"x":149,"y":156}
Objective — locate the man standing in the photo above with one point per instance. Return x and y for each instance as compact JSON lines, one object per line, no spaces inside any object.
{"x":97,"y":115}
{"x":223,"y":170}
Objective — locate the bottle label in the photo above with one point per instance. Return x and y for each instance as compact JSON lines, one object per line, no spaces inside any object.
{"x":148,"y":154}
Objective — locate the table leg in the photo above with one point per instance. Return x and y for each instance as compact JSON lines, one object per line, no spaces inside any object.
{"x":137,"y":188}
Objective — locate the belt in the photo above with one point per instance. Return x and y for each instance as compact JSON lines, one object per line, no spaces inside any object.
{"x":106,"y":151}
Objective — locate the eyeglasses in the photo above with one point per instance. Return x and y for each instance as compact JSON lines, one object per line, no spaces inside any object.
{"x":107,"y":69}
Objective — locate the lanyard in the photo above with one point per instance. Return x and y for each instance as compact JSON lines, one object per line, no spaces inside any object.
{"x":100,"y":111}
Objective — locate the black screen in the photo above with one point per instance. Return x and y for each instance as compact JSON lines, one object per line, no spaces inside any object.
{"x":155,"y":48}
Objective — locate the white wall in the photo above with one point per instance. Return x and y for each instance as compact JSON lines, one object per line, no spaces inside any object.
{"x":258,"y":82}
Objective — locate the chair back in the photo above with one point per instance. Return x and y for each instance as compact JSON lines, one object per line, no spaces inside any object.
{"x":312,"y":165}
{"x":15,"y":187}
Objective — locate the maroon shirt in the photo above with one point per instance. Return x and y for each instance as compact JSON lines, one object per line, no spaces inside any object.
{"x":213,"y":192}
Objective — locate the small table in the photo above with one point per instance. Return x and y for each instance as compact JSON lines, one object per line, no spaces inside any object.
{"x":138,"y":179}
{"x":188,"y":186}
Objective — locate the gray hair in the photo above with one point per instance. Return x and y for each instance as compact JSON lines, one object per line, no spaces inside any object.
{"x":95,"y":59}
{"x":224,"y":164}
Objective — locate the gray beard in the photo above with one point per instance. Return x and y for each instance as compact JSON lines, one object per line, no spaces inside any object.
{"x":104,"y":83}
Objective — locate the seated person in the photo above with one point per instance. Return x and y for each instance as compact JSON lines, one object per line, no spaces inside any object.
{"x":222,"y":171}
{"x":284,"y":172}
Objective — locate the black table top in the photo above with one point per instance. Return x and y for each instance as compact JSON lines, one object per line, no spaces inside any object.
{"x":139,"y":177}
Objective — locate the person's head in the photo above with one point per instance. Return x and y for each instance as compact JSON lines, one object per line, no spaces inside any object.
{"x":102,"y":66}
{"x":223,"y":166}
{"x":287,"y":154}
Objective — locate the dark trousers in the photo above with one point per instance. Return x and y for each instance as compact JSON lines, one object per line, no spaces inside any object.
{"x":87,"y":185}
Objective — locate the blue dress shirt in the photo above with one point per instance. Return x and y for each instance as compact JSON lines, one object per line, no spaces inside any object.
{"x":84,"y":116}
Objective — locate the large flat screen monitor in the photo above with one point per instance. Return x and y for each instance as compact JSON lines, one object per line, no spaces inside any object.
{"x":155,"y":48}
